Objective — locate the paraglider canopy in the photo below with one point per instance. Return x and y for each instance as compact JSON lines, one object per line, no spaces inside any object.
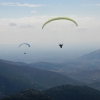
{"x":25,"y":44}
{"x":59,"y":18}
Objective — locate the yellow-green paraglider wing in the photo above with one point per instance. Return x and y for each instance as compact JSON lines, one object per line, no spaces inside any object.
{"x":59,"y":18}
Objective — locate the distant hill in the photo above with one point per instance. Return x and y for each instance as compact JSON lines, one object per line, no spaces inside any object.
{"x":65,"y":92}
{"x":15,"y":77}
{"x":87,"y":71}
{"x":12,"y":62}
{"x":95,"y":55}
{"x":46,"y":65}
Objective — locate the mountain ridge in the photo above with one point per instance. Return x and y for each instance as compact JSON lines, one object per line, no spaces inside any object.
{"x":95,"y":55}
{"x":64,"y":92}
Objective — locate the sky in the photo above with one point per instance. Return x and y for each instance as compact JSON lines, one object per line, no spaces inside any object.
{"x":21,"y":21}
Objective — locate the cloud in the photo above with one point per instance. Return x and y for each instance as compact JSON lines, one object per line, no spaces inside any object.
{"x":97,"y":4}
{"x":26,"y":26}
{"x":82,"y":29}
{"x":33,"y":11}
{"x":13,"y":24}
{"x":92,"y":5}
{"x":30,"y":29}
{"x":21,"y":5}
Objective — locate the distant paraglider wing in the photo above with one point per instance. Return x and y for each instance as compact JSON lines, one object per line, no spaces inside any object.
{"x":59,"y":18}
{"x":25,"y":44}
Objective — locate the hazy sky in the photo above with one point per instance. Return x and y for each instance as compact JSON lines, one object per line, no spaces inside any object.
{"x":22,"y":20}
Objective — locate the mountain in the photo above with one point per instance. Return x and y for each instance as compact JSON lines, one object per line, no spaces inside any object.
{"x":95,"y":85}
{"x":15,"y":77}
{"x":12,"y":62}
{"x":64,"y":92}
{"x":69,"y":92}
{"x":95,"y":55}
{"x":87,"y":71}
{"x":29,"y":94}
{"x":46,"y":65}
{"x":8,"y":87}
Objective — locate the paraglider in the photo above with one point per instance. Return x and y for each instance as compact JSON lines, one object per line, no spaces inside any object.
{"x":24,"y":44}
{"x":60,"y":45}
{"x":59,"y":18}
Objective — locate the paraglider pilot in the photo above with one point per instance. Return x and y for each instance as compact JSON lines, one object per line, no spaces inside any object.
{"x":60,"y":45}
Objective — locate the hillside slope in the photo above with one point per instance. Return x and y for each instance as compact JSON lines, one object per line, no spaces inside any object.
{"x":20,"y":77}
